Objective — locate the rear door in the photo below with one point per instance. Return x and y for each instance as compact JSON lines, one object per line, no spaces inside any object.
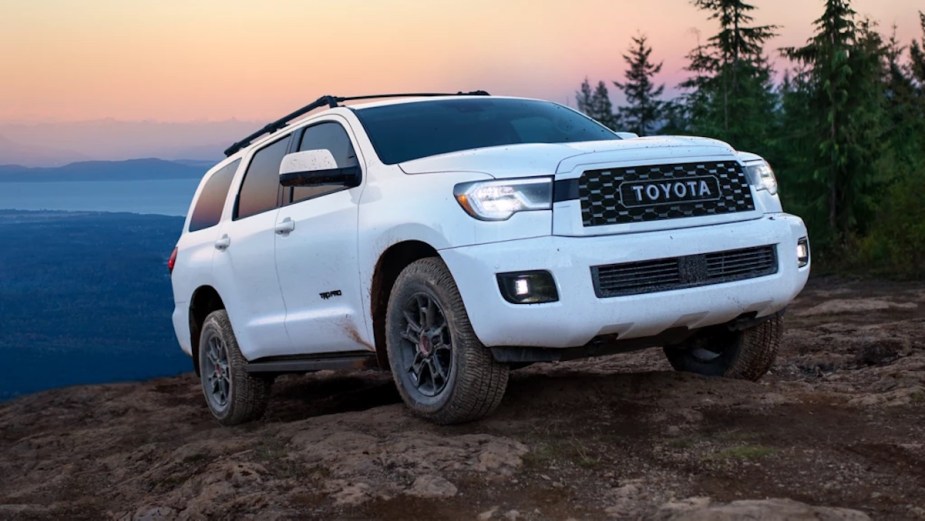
{"x":197,"y":244}
{"x":317,"y":259}
{"x":244,"y":263}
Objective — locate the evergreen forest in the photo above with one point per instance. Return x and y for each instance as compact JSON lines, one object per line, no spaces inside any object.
{"x":841,"y":120}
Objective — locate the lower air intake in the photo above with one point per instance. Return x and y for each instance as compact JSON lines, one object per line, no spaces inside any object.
{"x":652,"y":276}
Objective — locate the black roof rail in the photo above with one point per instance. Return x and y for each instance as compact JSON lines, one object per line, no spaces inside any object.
{"x":333,"y":101}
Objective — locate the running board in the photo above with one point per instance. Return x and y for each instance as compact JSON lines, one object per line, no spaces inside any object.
{"x":307,"y":364}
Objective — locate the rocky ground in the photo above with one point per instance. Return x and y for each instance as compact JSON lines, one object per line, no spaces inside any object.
{"x":836,"y":431}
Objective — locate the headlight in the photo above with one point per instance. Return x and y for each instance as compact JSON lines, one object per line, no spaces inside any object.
{"x":762,"y":177}
{"x":499,"y":200}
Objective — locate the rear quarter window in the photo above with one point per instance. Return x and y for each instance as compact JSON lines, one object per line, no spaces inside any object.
{"x":208,"y":210}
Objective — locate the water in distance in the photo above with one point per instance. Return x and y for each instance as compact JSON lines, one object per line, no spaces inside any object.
{"x":161,"y":196}
{"x":85,"y":298}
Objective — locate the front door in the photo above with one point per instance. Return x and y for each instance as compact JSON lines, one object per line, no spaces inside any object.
{"x":317,"y":258}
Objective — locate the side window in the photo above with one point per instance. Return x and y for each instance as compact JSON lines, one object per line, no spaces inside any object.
{"x":208,"y":209}
{"x":333,"y":137}
{"x":260,"y":189}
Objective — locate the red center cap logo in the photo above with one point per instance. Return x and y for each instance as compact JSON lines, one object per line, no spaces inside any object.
{"x":425,"y":345}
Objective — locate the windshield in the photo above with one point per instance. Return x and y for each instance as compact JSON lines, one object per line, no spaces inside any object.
{"x":409,"y":131}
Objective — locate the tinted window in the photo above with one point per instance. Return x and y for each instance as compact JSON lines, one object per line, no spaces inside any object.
{"x":329,"y":136}
{"x":333,"y":137}
{"x":260,"y":190}
{"x":208,"y":210}
{"x":413,"y":130}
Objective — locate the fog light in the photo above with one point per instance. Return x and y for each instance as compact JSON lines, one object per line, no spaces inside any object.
{"x":803,"y":252}
{"x":521,"y":287}
{"x":528,"y":287}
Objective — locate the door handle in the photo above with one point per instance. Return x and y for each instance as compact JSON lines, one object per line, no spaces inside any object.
{"x":223,"y":243}
{"x":285,"y":226}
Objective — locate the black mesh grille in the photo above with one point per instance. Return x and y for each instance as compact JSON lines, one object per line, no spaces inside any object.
{"x":634,"y":278}
{"x":619,"y":195}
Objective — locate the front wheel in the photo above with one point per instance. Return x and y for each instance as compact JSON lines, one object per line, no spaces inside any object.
{"x":747,"y":354}
{"x":441,"y":369}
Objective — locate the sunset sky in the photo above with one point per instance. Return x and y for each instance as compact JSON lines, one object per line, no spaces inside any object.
{"x":67,"y":60}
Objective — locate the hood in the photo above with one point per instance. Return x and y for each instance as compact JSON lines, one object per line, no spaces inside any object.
{"x":525,"y":160}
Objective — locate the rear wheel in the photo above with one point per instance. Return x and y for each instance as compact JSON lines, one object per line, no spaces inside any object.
{"x":233,"y":395}
{"x":441,"y":369}
{"x":747,"y":354}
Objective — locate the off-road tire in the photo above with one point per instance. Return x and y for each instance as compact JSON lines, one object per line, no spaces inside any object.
{"x":248,"y":395}
{"x":745,"y":355}
{"x":476,"y":382}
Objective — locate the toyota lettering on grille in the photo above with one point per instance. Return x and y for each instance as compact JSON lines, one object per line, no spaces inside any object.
{"x":670,"y":191}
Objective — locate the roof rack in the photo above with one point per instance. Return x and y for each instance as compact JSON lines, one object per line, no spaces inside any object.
{"x":333,"y":101}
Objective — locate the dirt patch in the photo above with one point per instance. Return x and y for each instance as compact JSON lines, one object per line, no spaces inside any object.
{"x":857,"y":305}
{"x":836,"y":431}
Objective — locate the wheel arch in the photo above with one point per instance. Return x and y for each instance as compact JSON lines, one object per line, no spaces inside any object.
{"x":205,"y":300}
{"x":391,"y":263}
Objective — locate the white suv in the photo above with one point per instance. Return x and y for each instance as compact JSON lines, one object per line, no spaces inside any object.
{"x":454,"y":237}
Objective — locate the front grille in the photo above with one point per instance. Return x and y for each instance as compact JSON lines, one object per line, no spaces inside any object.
{"x":634,"y":278}
{"x":625,"y":195}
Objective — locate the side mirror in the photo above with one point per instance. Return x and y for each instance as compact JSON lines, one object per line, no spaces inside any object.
{"x":627,"y":135}
{"x":315,"y":168}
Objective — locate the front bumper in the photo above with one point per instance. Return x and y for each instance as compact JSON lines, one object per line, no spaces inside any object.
{"x":579,"y":316}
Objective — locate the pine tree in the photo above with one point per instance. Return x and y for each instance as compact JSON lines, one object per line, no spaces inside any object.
{"x":602,"y":107}
{"x":644,"y":111}
{"x":917,"y":59}
{"x":730,"y":96}
{"x":898,"y":236}
{"x":844,"y":72}
{"x":583,"y":97}
{"x":906,"y":124}
{"x":794,"y":145}
{"x":596,"y":104}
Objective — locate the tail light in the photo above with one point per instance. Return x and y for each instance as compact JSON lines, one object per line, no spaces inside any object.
{"x":172,"y":260}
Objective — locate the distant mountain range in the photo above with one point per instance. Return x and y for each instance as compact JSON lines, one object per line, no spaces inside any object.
{"x":129,"y":170}
{"x":59,"y":143}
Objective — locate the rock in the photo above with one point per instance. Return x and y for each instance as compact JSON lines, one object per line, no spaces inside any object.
{"x":685,"y":505}
{"x":512,"y":515}
{"x":501,"y":456}
{"x":628,"y":491}
{"x":154,"y":513}
{"x":701,"y":509}
{"x":431,"y":486}
{"x":880,"y":351}
{"x":488,"y":514}
{"x":898,"y":397}
{"x":347,"y":494}
{"x":625,"y":499}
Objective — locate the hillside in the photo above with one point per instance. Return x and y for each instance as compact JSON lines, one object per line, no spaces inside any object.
{"x":834,"y":433}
